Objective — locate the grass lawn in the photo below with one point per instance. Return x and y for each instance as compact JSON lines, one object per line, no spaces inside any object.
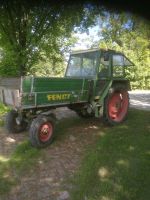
{"x":117,"y":167}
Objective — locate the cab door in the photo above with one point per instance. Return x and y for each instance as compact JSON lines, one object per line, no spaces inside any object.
{"x":104,"y":73}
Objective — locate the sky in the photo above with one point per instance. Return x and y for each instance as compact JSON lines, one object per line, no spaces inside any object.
{"x":86,"y":40}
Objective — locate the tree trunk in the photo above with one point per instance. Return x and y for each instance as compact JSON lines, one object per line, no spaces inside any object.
{"x":22,"y":70}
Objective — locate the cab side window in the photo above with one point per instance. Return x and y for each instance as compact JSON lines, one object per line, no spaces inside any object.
{"x":118,"y":65}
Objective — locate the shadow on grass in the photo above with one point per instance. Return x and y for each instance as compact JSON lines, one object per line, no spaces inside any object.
{"x":25,"y":156}
{"x":20,"y":162}
{"x":117,"y":167}
{"x":77,"y":126}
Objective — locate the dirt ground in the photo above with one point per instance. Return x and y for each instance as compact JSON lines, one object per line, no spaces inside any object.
{"x":49,"y":180}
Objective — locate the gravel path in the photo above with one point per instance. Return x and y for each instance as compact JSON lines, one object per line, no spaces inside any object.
{"x":140,"y":99}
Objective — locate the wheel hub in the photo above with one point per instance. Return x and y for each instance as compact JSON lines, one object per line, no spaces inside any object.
{"x":45,"y":132}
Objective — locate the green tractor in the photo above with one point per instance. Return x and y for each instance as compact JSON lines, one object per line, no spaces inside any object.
{"x":94,"y":85}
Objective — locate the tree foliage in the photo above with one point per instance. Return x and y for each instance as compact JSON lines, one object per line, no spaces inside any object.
{"x":29,"y":31}
{"x":130,"y":35}
{"x":34,"y":37}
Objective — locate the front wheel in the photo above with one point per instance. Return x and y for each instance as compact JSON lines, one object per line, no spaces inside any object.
{"x":116,"y":105}
{"x":42,"y":131}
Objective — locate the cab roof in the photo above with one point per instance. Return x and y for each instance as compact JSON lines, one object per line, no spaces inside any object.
{"x":93,"y":50}
{"x":110,"y":51}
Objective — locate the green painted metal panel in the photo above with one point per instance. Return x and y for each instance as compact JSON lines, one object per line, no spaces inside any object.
{"x":26,"y":83}
{"x":56,"y":84}
{"x":43,"y":91}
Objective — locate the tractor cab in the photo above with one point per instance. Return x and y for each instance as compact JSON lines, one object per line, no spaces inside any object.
{"x":97,"y":63}
{"x":113,"y":64}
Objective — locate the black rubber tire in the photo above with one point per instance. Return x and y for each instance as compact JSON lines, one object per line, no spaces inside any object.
{"x":34,"y":131}
{"x":116,"y":88}
{"x":11,"y":125}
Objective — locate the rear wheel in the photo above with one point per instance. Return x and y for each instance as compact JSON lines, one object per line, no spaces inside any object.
{"x":11,"y":123}
{"x":42,"y":131}
{"x":116,"y":105}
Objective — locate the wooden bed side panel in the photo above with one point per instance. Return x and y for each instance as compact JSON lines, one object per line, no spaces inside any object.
{"x":10,"y":82}
{"x":9,"y":97}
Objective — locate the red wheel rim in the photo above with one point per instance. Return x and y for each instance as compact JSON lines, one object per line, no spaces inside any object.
{"x":45,"y":132}
{"x":118,"y":106}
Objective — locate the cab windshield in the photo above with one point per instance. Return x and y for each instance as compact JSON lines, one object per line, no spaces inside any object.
{"x":82,"y":65}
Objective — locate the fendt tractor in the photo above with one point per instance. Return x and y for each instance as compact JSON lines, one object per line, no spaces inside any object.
{"x":94,"y":85}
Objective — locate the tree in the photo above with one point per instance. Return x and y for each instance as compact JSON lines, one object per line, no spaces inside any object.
{"x":28,"y":30}
{"x":129,"y":34}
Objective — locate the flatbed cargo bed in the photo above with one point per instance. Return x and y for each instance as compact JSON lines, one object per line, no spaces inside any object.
{"x":35,"y":92}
